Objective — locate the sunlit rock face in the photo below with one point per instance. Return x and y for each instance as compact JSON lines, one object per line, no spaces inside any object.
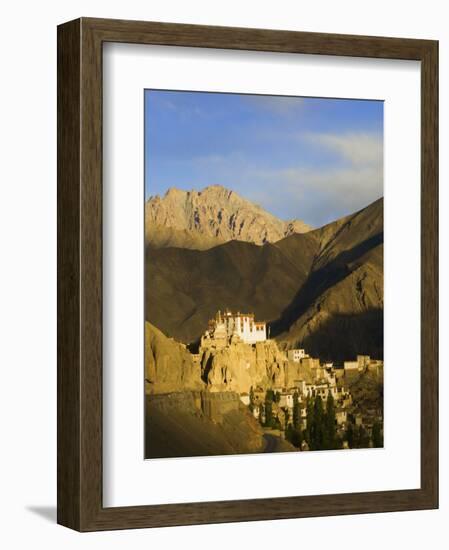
{"x":203,"y":219}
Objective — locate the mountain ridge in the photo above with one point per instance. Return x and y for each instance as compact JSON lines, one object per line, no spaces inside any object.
{"x":300,"y":284}
{"x":200,"y":220}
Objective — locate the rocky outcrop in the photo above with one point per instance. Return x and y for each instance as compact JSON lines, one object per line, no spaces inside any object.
{"x":170,"y":367}
{"x":240,"y":366}
{"x":193,"y":406}
{"x":203,"y":219}
{"x":168,"y":364}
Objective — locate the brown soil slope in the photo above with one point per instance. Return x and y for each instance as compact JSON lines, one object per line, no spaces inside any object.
{"x":175,"y":427}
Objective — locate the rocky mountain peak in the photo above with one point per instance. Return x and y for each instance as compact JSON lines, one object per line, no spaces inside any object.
{"x":214,"y":215}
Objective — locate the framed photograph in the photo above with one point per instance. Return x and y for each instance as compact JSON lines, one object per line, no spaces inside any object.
{"x":247,"y":274}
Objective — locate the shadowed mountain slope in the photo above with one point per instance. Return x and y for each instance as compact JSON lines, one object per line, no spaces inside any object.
{"x":176,"y":427}
{"x":301,"y":284}
{"x":345,"y":282}
{"x":185,"y":288}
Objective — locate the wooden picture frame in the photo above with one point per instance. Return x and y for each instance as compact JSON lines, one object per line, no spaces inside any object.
{"x":80,"y":504}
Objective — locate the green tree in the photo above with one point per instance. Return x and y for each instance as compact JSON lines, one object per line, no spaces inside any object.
{"x":268,"y":412}
{"x":294,"y":436}
{"x":315,"y":435}
{"x":275,"y":423}
{"x":251,"y":399}
{"x":269,"y":396}
{"x":261,"y":413}
{"x":318,"y":425}
{"x":350,"y":435}
{"x":286,"y":416}
{"x":310,"y":421}
{"x":338,"y":442}
{"x":330,"y":431}
{"x":378,"y":440}
{"x":361,"y":438}
{"x":296,"y":411}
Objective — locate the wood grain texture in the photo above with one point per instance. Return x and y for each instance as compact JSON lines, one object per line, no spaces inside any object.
{"x":69,"y":435}
{"x":80,"y":274}
{"x":429,"y":271}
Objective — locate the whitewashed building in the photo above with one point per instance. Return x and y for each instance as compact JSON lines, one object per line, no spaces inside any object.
{"x":351,"y":365}
{"x":226,"y":325}
{"x":296,"y":355}
{"x":286,"y":400}
{"x":341,"y":416}
{"x":245,"y":399}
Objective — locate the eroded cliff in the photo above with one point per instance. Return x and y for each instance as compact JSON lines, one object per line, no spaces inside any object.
{"x":170,"y":367}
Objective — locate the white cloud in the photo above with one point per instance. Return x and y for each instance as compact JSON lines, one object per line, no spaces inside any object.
{"x":360,"y":149}
{"x":351,"y":188}
{"x":318,"y":194}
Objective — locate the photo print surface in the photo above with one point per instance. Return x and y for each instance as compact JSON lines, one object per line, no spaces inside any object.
{"x":263,"y":274}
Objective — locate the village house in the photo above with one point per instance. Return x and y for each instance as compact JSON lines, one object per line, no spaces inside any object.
{"x":319,"y":373}
{"x":258,"y":395}
{"x":339,"y":374}
{"x":310,"y":362}
{"x":244,"y":398}
{"x":376,"y":367}
{"x":324,"y":389}
{"x":309,"y":390}
{"x":346,"y":400}
{"x":362,"y":363}
{"x":300,"y":386}
{"x":341,"y":416}
{"x":286,"y":400}
{"x":296,"y":355}
{"x":334,"y":391}
{"x":303,"y":417}
{"x":329,"y":376}
{"x":351,"y":366}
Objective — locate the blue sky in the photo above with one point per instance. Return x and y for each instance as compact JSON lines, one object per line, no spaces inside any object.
{"x":308,"y":158}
